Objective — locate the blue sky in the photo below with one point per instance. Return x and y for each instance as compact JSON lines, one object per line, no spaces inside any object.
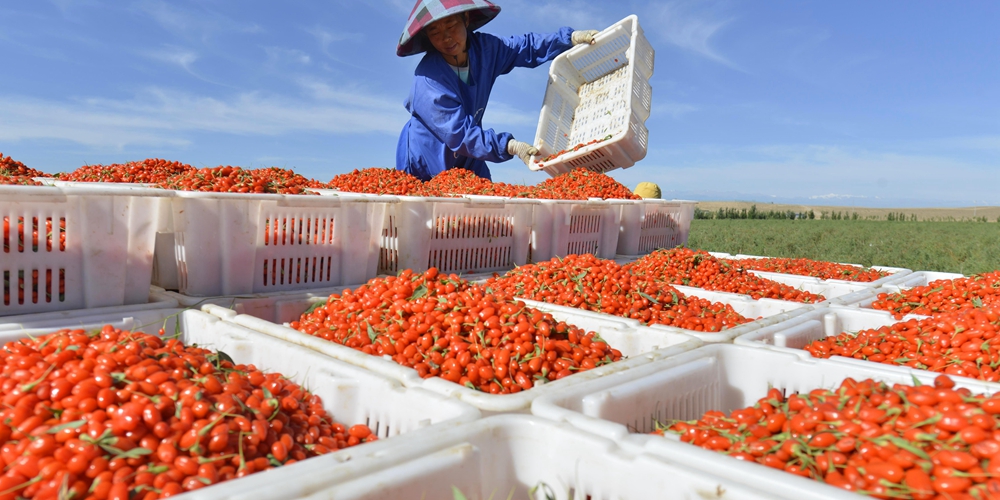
{"x":889,"y":103}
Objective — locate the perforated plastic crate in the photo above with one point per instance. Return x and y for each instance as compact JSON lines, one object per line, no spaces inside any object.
{"x":49,"y":181}
{"x":228,"y":244}
{"x":895,"y":274}
{"x":566,"y":227}
{"x":863,"y":299}
{"x":647,"y":225}
{"x":835,"y":291}
{"x":715,"y":377}
{"x":81,"y":316}
{"x":278,"y":307}
{"x":920,"y":278}
{"x":818,"y":324}
{"x":763,"y":312}
{"x":640,"y":344}
{"x":795,"y":334}
{"x":456,"y":235}
{"x":76,"y":248}
{"x":351,"y":395}
{"x":501,"y":457}
{"x":601,"y":93}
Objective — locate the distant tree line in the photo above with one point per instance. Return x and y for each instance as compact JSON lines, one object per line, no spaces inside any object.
{"x":754,"y":213}
{"x":751,"y":213}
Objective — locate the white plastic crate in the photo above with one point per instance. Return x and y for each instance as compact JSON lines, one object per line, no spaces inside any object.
{"x":647,"y":225}
{"x":864,"y":299}
{"x":795,"y":334}
{"x":49,"y":181}
{"x":895,"y":273}
{"x":597,"y":92}
{"x":500,"y":457}
{"x":568,"y":227}
{"x":769,"y":311}
{"x":351,"y":395}
{"x":80,"y":316}
{"x":278,"y":307}
{"x":831,"y":289}
{"x":229,"y":244}
{"x":107,"y":259}
{"x":456,"y":235}
{"x":46,"y":181}
{"x":835,"y":291}
{"x":921,"y":278}
{"x":715,"y":377}
{"x":149,"y":320}
{"x":818,"y":324}
{"x":639,"y":344}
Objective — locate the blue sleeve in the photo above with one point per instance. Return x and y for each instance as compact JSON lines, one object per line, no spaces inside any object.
{"x":440,"y":109}
{"x":532,"y":49}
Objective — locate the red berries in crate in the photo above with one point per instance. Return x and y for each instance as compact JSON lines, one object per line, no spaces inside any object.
{"x":376,"y":181}
{"x":943,"y":296}
{"x":148,"y":171}
{"x":698,"y":268}
{"x":963,"y":343}
{"x":119,"y":415}
{"x":10,"y":167}
{"x":579,"y":184}
{"x":900,"y":441}
{"x":272,"y":180}
{"x":589,"y":283}
{"x":442,"y":326}
{"x":814,"y":268}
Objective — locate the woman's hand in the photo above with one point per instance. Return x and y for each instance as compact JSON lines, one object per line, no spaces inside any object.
{"x":523,"y":150}
{"x":584,"y":36}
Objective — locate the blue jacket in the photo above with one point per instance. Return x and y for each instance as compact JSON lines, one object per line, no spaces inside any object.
{"x":446,"y":127}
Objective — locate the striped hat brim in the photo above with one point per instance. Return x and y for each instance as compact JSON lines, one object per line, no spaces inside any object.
{"x":414,"y":41}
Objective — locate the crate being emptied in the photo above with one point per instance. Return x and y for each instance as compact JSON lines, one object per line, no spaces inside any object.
{"x":596,"y":104}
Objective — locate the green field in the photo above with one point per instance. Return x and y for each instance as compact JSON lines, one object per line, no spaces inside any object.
{"x":959,"y":247}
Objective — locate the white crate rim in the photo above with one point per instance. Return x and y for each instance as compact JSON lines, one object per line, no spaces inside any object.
{"x":678,"y":342}
{"x":554,"y":407}
{"x":461,"y":413}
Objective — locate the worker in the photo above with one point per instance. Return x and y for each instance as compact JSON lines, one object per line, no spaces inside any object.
{"x":452,"y":85}
{"x":647,"y":190}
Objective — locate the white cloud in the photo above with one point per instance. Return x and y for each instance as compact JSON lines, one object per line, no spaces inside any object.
{"x":819,"y":169}
{"x":579,"y":14}
{"x":978,"y":143}
{"x":201,"y":25}
{"x":281,"y":55}
{"x":164,"y":117}
{"x":673,"y":109}
{"x":349,"y":94}
{"x":686,"y":25}
{"x":402,"y":6}
{"x":327,"y":39}
{"x":832,"y":196}
{"x":806,"y":40}
{"x":182,"y":58}
{"x":173,"y":55}
{"x":502,"y":114}
{"x":65,"y":6}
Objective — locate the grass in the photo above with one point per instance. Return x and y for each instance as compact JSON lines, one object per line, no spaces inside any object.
{"x":958,"y":247}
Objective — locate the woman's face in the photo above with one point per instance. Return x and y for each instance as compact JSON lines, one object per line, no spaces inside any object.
{"x":448,"y":35}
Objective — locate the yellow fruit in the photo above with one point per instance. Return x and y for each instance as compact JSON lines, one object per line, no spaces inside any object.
{"x":647,"y":190}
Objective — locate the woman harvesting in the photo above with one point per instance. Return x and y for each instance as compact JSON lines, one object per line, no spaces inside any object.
{"x":453,"y":81}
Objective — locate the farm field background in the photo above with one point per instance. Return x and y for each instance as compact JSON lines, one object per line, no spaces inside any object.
{"x":959,"y":247}
{"x":922,"y":214}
